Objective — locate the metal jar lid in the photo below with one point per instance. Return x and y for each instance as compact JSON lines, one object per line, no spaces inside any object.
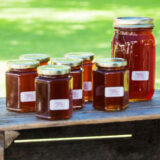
{"x":111,"y":62}
{"x":72,"y":62}
{"x":22,"y":64}
{"x":38,"y":57}
{"x":82,"y":55}
{"x":53,"y":70}
{"x":133,"y":22}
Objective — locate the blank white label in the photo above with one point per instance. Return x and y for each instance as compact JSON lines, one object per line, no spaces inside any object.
{"x":114,"y":91}
{"x":87,"y":86}
{"x":59,"y":104}
{"x":28,"y":96}
{"x":140,"y":75}
{"x":77,"y":94}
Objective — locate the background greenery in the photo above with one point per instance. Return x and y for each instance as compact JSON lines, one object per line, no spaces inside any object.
{"x":59,"y":26}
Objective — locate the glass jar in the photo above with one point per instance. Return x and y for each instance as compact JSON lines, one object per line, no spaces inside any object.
{"x":54,"y":92}
{"x":134,"y":41}
{"x":42,"y":58}
{"x":110,"y":84}
{"x":88,"y":66}
{"x":20,"y":88}
{"x":76,"y":73}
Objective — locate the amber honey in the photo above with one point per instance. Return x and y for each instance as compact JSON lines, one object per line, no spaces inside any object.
{"x":20,"y":88}
{"x":88,"y":66}
{"x":54,"y":92}
{"x":76,"y":73}
{"x":42,"y":58}
{"x":111,"y":84}
{"x":134,"y":41}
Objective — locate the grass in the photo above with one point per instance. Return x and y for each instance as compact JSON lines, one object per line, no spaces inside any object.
{"x":59,"y":26}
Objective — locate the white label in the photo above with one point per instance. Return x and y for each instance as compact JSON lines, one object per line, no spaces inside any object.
{"x":28,"y":96}
{"x":59,"y":104}
{"x":77,"y":94}
{"x":140,"y":75}
{"x":114,"y":91}
{"x":87,"y":86}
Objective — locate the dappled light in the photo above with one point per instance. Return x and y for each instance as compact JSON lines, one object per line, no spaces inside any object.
{"x":56,"y":27}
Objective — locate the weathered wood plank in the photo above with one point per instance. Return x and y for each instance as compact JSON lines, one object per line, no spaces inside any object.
{"x":9,"y":137}
{"x":137,"y":111}
{"x":2,"y":145}
{"x":143,"y":145}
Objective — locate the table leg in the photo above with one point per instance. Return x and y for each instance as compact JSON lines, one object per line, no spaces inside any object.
{"x":2,"y":144}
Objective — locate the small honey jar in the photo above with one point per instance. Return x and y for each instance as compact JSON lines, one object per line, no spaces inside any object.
{"x":42,"y":58}
{"x":111,"y":84}
{"x":76,"y":73}
{"x":88,"y":67}
{"x":54,"y":92}
{"x":20,"y":86}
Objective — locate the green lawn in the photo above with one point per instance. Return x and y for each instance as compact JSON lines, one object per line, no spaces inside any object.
{"x":59,"y":26}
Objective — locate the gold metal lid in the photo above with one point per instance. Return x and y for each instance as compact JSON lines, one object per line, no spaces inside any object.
{"x":72,"y":62}
{"x":38,"y":57}
{"x":111,"y":62}
{"x":22,"y":64}
{"x":53,"y":70}
{"x":82,"y":55}
{"x":133,"y":22}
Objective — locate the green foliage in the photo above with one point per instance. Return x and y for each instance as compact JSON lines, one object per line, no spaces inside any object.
{"x":59,"y":26}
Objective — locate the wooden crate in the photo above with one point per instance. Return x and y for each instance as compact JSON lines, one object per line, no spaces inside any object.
{"x":132,"y":134}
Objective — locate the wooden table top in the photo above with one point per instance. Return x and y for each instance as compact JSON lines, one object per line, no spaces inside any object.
{"x":136,"y":111}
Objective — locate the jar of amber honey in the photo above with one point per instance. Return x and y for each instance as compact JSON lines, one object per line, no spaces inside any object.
{"x":110,"y":84}
{"x":42,"y":58}
{"x":76,"y":73}
{"x":54,"y":92}
{"x":88,"y":66}
{"x":20,"y":88}
{"x":134,"y":41}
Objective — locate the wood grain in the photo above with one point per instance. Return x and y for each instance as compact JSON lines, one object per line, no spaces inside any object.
{"x":137,"y":111}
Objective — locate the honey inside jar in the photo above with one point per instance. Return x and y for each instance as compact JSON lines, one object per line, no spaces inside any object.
{"x":88,"y":66}
{"x":76,"y":73}
{"x":134,"y":40}
{"x":54,"y":92}
{"x":42,"y":58}
{"x":111,"y":84}
{"x":20,"y":86}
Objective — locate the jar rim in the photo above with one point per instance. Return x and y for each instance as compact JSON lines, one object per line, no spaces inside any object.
{"x":82,"y":55}
{"x":53,"y":70}
{"x":22,"y":64}
{"x":133,"y":22}
{"x":111,"y":62}
{"x":72,"y":62}
{"x":35,"y":56}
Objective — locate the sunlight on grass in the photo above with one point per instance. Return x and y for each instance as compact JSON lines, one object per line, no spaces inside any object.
{"x":56,"y":27}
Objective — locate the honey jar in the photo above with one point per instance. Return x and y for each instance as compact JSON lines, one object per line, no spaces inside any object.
{"x":54,"y":92}
{"x":88,"y":66}
{"x":20,"y":88}
{"x":111,"y":84}
{"x":134,"y":40}
{"x":76,"y":73}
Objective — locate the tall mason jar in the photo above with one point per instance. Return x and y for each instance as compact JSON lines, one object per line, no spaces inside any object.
{"x":134,"y":41}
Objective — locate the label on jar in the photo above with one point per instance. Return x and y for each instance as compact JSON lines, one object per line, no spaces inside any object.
{"x":59,"y":104}
{"x":77,"y":94}
{"x":29,"y":96}
{"x":140,"y":75}
{"x":87,"y":86}
{"x":114,"y":91}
